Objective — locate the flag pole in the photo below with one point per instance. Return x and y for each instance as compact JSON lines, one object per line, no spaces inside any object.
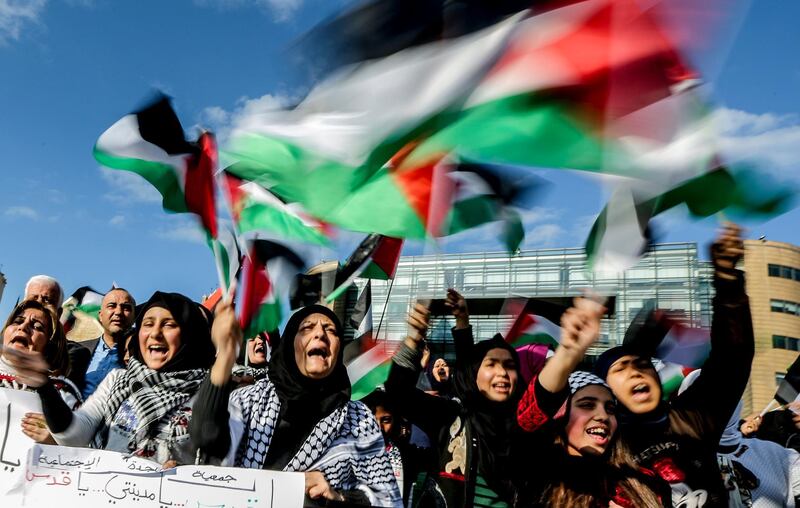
{"x":218,"y":263}
{"x":773,"y":404}
{"x":383,"y":312}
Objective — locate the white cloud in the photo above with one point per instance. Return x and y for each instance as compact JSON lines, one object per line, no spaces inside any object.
{"x":15,"y":15}
{"x":128,"y":188}
{"x":215,"y":115}
{"x":23,"y":212}
{"x":117,"y":220}
{"x":539,"y":214}
{"x":738,"y":122}
{"x":768,"y":138}
{"x":281,"y":10}
{"x":222,"y":121}
{"x":545,"y":235}
{"x":55,"y":196}
{"x":182,"y":231}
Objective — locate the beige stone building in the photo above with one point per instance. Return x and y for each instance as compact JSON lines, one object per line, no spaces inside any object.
{"x":773,"y":284}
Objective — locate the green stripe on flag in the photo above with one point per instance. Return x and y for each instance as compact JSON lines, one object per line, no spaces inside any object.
{"x":535,"y":338}
{"x":371,"y":380}
{"x":267,"y":318}
{"x":92,"y":310}
{"x":161,"y":176}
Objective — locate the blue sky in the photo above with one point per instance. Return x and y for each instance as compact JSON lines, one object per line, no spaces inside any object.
{"x":70,"y":68}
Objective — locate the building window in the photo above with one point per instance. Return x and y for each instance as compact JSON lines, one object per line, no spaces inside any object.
{"x":785,"y":307}
{"x":784,"y":272}
{"x":783,"y":342}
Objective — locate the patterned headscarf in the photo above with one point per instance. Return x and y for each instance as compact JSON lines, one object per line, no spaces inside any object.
{"x":581,"y":379}
{"x":304,"y":402}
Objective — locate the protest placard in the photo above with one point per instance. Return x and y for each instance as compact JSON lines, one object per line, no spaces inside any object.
{"x":64,"y":476}
{"x":14,"y":444}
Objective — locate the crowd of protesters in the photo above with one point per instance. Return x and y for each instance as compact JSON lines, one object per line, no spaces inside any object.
{"x":171,"y":382}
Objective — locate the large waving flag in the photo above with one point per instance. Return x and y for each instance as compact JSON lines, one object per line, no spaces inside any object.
{"x":621,"y":234}
{"x":151,"y":143}
{"x":596,"y":85}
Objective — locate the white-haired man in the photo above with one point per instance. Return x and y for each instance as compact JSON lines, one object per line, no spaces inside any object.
{"x":46,"y":290}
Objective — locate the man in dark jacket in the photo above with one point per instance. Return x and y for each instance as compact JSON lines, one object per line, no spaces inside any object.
{"x":678,"y":440}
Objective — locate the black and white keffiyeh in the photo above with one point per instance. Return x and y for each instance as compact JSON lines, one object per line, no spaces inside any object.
{"x":152,"y":395}
{"x":256,"y":373}
{"x":346,"y":446}
{"x":580,"y":379}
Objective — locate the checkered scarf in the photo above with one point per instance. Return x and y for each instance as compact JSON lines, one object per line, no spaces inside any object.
{"x":346,"y":446}
{"x":152,"y":395}
{"x":580,"y":379}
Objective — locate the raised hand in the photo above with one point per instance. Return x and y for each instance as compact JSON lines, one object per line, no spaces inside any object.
{"x":418,"y":322}
{"x":31,"y":367}
{"x":458,"y":308}
{"x":227,"y":337}
{"x":225,"y":331}
{"x":727,"y":250}
{"x":580,"y":328}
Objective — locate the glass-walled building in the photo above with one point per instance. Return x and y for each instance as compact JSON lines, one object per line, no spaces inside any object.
{"x":670,"y":277}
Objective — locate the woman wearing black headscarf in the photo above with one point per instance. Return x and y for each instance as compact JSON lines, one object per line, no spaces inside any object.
{"x":299,"y":418}
{"x":475,"y":433}
{"x":144,"y":409}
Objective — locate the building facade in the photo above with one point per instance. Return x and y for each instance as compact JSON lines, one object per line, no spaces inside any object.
{"x":670,"y":277}
{"x":773,"y":285}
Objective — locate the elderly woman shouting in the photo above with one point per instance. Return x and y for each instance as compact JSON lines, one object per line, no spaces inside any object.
{"x":299,"y":418}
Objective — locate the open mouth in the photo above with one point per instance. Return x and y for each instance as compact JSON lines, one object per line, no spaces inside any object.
{"x":599,"y":434}
{"x":20,"y":342}
{"x":502,"y":387}
{"x":641,"y":392}
{"x":157,"y":351}
{"x":441,"y":373}
{"x":320,"y":352}
{"x":259,"y":349}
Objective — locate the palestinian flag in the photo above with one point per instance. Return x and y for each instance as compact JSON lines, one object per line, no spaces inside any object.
{"x":561,"y":89}
{"x":83,"y":304}
{"x":254,"y":208}
{"x":85,"y":300}
{"x":789,"y":387}
{"x":685,"y":345}
{"x":529,"y":328}
{"x":370,"y":370}
{"x":671,"y":376}
{"x":620,"y":235}
{"x":379,"y":28}
{"x":268,"y":271}
{"x":485,"y":193}
{"x":376,"y":257}
{"x":227,"y":255}
{"x":151,"y":143}
{"x":361,"y":321}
